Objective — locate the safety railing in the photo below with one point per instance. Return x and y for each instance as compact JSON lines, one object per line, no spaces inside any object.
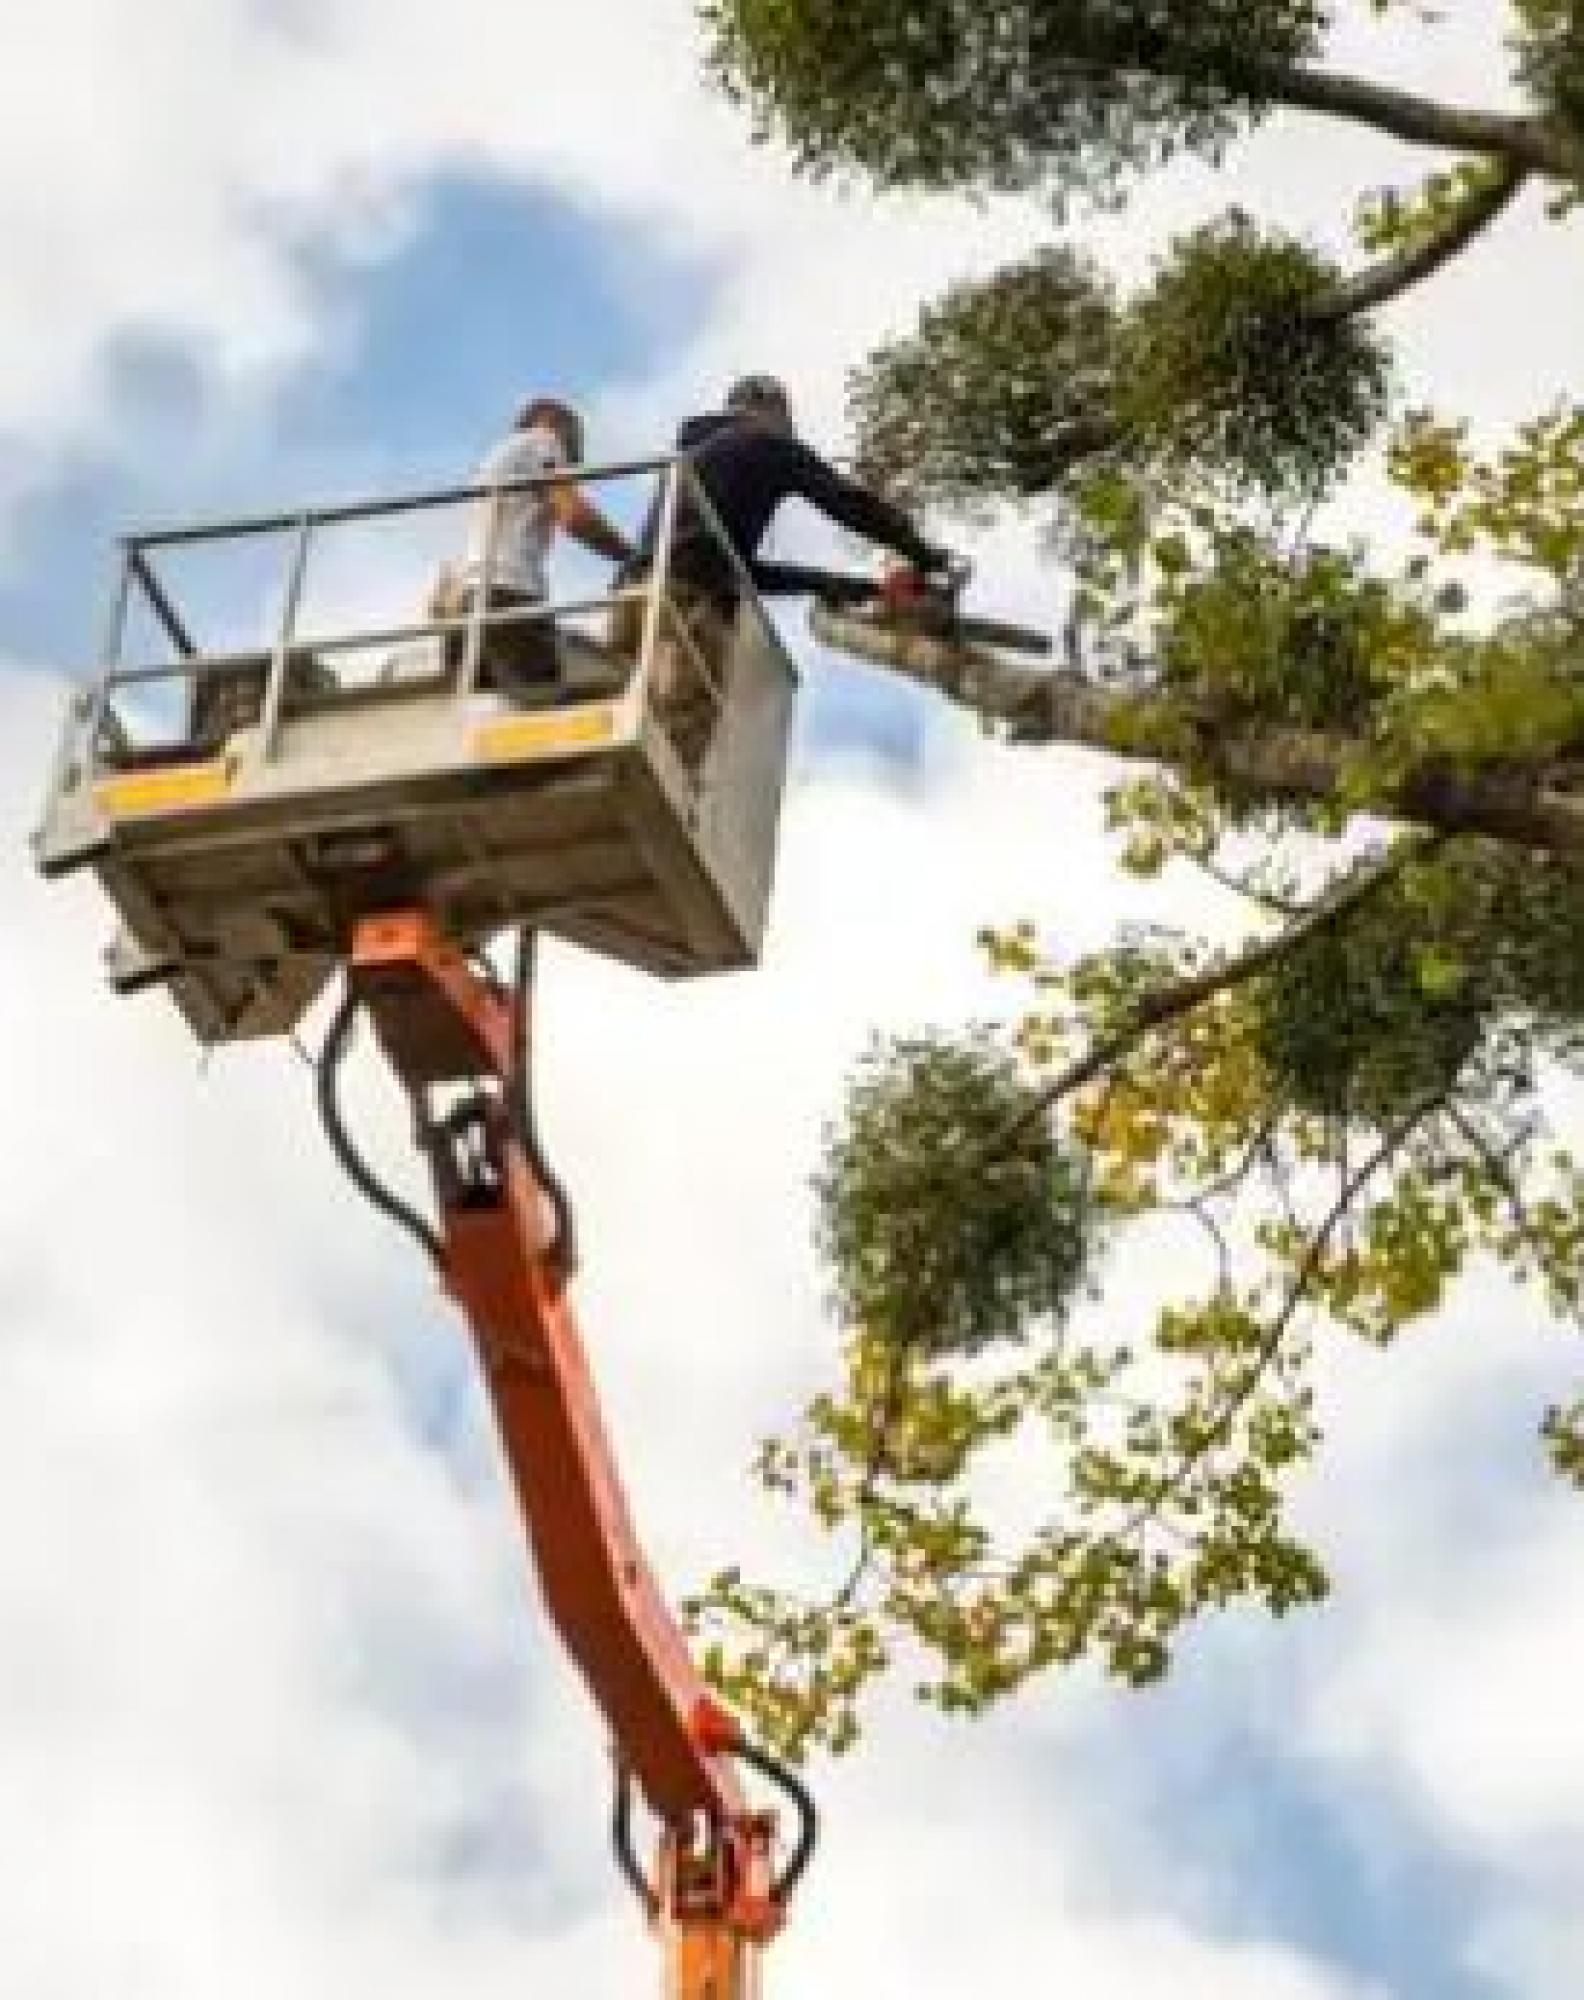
{"x":290,"y":665}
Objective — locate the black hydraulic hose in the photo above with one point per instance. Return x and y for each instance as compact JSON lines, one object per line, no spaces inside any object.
{"x":626,"y":1851}
{"x":785,"y":1780}
{"x":352,"y":1163}
{"x":523,"y":1115}
{"x":792,"y":1786}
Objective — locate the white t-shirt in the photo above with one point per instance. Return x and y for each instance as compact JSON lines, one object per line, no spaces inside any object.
{"x":525,"y":525}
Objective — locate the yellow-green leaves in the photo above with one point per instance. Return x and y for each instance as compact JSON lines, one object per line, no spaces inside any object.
{"x":1318,"y":1144}
{"x":1564,"y":1436}
{"x":1316,"y":1150}
{"x":1390,"y":222}
{"x":1525,"y":504}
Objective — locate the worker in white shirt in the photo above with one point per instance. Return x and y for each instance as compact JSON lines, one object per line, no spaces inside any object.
{"x":521,"y":656}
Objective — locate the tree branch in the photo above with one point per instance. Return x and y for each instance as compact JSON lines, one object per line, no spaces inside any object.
{"x":1532,"y":804}
{"x":1418,"y":121}
{"x":1497,"y":1164}
{"x":1226,"y":878}
{"x":1185,"y":996}
{"x":1389,"y":279}
{"x":1267,"y":1353}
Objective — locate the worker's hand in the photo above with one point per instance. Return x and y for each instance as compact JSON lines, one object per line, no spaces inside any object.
{"x":902,"y":586}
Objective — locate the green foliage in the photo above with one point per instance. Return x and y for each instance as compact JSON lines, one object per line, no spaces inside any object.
{"x":1391,"y":223}
{"x":1525,"y":506}
{"x":984,"y":399}
{"x":1550,"y":46}
{"x":1243,"y":628}
{"x":799,"y":1678}
{"x":1564,"y":1435}
{"x":1514,"y":695}
{"x":951,"y":1216}
{"x":1232,"y":369}
{"x":1309,"y":639}
{"x":1471,"y":960}
{"x":1160,"y":1520}
{"x":1228,"y":372}
{"x":1073,"y":95}
{"x":1368,"y":1018}
{"x":1342,"y":1133}
{"x":1515,"y":919}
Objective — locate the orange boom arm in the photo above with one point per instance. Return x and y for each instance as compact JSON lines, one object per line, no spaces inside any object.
{"x":445,"y":1027}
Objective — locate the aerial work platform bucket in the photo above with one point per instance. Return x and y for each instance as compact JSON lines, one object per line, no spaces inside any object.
{"x":245,"y":806}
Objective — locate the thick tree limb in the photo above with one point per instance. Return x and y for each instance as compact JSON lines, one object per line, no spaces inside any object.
{"x":1535,"y":805}
{"x":1542,"y":144}
{"x":1418,"y":121}
{"x":1393,"y":276}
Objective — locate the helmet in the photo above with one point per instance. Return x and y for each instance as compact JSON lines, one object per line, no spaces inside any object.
{"x":760,"y":395}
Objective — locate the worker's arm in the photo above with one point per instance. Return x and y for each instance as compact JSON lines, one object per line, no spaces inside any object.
{"x":854,"y":507}
{"x":577,"y":516}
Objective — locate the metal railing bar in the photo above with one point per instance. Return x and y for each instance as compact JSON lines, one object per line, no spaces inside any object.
{"x":275,"y":687}
{"x":98,"y":701}
{"x":160,"y":604}
{"x":713,"y":684}
{"x":654,"y":582}
{"x":515,"y":614}
{"x":333,"y":513}
{"x":478,"y":609}
{"x":204,"y":664}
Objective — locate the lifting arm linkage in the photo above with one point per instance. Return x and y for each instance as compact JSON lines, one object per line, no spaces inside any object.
{"x":714,"y":1893}
{"x":439,"y":1022}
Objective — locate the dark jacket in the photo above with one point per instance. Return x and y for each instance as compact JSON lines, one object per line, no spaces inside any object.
{"x":746,"y":470}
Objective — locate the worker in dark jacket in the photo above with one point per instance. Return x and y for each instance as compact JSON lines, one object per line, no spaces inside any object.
{"x":747,"y":459}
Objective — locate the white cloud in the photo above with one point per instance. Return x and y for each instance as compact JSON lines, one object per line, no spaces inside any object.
{"x":1438,"y":1685}
{"x":1491,"y":1650}
{"x":182,"y":171}
{"x":202,"y":159}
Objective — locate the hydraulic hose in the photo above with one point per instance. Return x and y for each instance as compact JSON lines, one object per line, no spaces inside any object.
{"x":626,"y":1850}
{"x":786,"y":1781}
{"x":353,"y":1165}
{"x":523,"y":1115}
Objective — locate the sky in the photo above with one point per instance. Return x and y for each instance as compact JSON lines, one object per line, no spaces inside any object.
{"x":277,"y":1710}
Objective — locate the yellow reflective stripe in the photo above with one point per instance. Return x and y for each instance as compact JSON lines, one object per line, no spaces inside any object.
{"x":558,"y":729}
{"x":164,"y":790}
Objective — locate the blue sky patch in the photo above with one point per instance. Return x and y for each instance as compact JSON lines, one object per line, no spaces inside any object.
{"x":497,"y":292}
